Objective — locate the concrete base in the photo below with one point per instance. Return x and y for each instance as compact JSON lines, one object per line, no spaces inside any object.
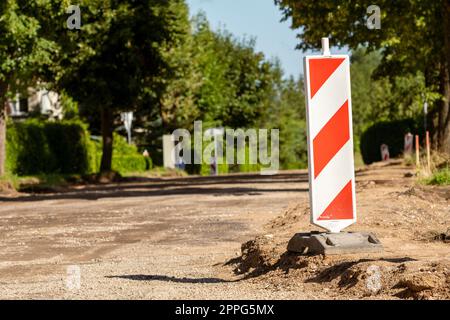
{"x":334,"y":243}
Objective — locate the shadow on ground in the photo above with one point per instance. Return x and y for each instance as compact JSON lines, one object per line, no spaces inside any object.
{"x":172,"y":187}
{"x":141,"y":277}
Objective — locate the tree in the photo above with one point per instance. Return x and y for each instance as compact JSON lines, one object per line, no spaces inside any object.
{"x":240,"y":88}
{"x":379,"y":99}
{"x":236,"y":79}
{"x":181,"y":78}
{"x":214,"y":77}
{"x":286,"y":111}
{"x":119,"y":58}
{"x":24,"y":53}
{"x":414,"y":37}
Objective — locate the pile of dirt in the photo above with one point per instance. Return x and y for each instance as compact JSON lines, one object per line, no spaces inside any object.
{"x":257,"y":256}
{"x":265,"y":253}
{"x":268,"y":254}
{"x":265,"y":259}
{"x":431,"y":281}
{"x":388,"y":278}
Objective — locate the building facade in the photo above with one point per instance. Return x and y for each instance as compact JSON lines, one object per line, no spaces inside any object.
{"x":37,"y":101}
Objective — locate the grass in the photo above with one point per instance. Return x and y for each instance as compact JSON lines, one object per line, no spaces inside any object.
{"x":440,"y":177}
{"x":439,"y":172}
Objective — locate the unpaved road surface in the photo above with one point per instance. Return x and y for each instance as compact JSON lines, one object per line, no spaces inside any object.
{"x":180,"y":238}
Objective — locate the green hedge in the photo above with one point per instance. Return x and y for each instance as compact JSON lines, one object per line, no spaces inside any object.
{"x":35,"y":147}
{"x":391,"y":133}
{"x":126,"y":158}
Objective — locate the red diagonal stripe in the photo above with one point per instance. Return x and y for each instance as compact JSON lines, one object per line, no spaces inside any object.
{"x":341,"y":208}
{"x":333,"y":136}
{"x":320,"y":70}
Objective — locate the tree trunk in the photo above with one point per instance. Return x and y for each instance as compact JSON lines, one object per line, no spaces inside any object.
{"x":107,"y":135}
{"x":444,"y":113}
{"x":444,"y":110}
{"x":2,"y":135}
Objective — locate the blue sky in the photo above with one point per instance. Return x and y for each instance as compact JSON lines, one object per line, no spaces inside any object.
{"x":256,"y":18}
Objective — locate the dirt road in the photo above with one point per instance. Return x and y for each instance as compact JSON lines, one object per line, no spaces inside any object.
{"x":181,"y":238}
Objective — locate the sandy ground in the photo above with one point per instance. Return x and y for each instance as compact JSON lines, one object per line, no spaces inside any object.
{"x":180,"y":238}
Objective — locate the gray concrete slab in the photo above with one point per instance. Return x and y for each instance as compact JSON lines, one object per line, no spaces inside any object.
{"x":334,"y":243}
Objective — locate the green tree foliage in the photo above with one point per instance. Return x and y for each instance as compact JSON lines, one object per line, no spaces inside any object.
{"x":237,"y":87}
{"x":382,"y":99}
{"x":119,"y":58}
{"x":236,"y":79}
{"x":292,"y":124}
{"x":414,"y":37}
{"x":286,"y":112}
{"x":220,"y":80}
{"x":25,"y":51}
{"x":172,"y":90}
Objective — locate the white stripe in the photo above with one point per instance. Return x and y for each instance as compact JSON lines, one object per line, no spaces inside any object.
{"x":330,"y":97}
{"x":332,"y":179}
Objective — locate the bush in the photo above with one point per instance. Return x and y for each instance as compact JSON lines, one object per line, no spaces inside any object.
{"x":391,"y":133}
{"x":35,"y":147}
{"x":126,"y":158}
{"x":130,"y":163}
{"x":441,"y":177}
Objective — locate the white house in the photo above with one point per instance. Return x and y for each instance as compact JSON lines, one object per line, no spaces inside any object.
{"x":43,"y":101}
